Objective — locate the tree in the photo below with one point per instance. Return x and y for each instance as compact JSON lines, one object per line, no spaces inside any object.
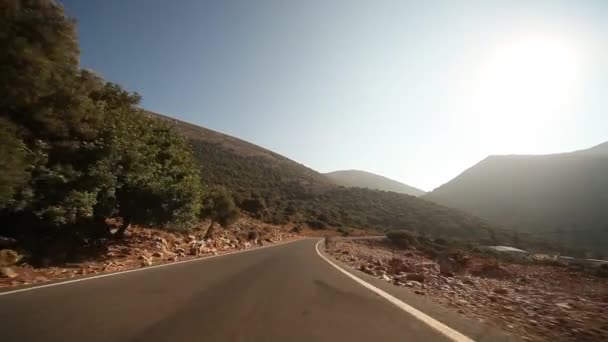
{"x":14,"y":172}
{"x":75,"y":149}
{"x":219,"y":207}
{"x":154,"y":179}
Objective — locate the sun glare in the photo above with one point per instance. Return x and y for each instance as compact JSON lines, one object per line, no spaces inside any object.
{"x":525,"y":85}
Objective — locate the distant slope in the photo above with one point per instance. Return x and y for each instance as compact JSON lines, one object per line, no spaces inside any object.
{"x":563,"y":197}
{"x":363,"y":179}
{"x":280,"y":190}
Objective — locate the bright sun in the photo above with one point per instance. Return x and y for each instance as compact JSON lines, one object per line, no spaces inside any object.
{"x":524,"y":85}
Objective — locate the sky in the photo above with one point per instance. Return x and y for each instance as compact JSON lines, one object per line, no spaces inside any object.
{"x":417,"y":91}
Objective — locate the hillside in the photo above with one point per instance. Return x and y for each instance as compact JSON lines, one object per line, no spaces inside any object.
{"x":363,"y":179}
{"x":280,"y":190}
{"x":562,"y":197}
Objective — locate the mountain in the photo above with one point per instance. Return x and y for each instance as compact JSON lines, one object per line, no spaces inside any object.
{"x":280,"y":190}
{"x":562,"y":197}
{"x":363,"y":179}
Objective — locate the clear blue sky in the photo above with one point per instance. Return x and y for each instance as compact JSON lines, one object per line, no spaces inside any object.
{"x":414,"y":90}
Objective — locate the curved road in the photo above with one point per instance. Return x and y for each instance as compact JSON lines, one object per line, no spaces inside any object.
{"x":282,"y":293}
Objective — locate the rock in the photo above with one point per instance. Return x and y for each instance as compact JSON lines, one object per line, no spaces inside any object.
{"x":415,"y":277}
{"x":501,"y":291}
{"x":446,"y":266}
{"x":377,"y":262}
{"x":7,"y":272}
{"x":180,"y":251}
{"x":146,"y":263}
{"x":367,"y":269}
{"x":247,"y":244}
{"x":157,"y":255}
{"x":462,"y":302}
{"x":161,"y":240}
{"x":564,"y":306}
{"x":173,"y":258}
{"x":9,"y":257}
{"x":427,"y":265}
{"x":190,"y":238}
{"x":397,"y":265}
{"x":419,"y":292}
{"x":385,"y":277}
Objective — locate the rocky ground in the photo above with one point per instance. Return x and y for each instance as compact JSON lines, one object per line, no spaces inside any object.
{"x":535,"y":302}
{"x":144,"y":247}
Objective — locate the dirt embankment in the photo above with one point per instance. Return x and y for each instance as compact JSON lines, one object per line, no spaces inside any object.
{"x":535,"y":302}
{"x":144,"y":247}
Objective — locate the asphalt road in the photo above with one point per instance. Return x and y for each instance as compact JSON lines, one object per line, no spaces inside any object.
{"x":282,"y":293}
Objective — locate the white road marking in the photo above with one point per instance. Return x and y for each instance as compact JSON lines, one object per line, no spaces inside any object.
{"x":428,"y":320}
{"x":139,"y":269}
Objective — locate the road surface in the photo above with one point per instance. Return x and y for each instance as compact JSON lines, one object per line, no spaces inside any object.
{"x":282,"y":293}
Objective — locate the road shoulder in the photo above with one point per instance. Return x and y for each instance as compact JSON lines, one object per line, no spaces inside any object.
{"x":477,"y":331}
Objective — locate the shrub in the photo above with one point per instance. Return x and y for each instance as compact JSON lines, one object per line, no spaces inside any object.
{"x":316,"y":224}
{"x":602,"y":271}
{"x":253,"y":205}
{"x":219,"y":207}
{"x":401,"y":238}
{"x":344,"y":231}
{"x":253,"y":235}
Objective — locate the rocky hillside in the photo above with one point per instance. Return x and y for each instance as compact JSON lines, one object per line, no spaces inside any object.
{"x":561,"y":197}
{"x":363,"y":179}
{"x":279,"y":190}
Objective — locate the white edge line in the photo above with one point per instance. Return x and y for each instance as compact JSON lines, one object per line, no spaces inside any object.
{"x":142,"y":269}
{"x":428,"y":320}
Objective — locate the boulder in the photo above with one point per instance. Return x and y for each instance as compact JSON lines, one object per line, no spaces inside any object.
{"x":157,"y":255}
{"x":9,"y":257}
{"x":367,"y":269}
{"x":415,"y":277}
{"x":396,"y":266}
{"x":161,"y":240}
{"x":7,"y":272}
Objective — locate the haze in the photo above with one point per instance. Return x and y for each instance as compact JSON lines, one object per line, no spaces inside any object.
{"x":415,"y":91}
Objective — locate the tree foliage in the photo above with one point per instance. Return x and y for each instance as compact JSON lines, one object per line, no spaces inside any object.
{"x":219,"y":207}
{"x":76,"y":149}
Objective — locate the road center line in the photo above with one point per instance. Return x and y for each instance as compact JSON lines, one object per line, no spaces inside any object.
{"x":428,"y":320}
{"x":140,"y":269}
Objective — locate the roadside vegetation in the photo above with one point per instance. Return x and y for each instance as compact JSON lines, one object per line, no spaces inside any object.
{"x":278,"y":190}
{"x":76,"y":152}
